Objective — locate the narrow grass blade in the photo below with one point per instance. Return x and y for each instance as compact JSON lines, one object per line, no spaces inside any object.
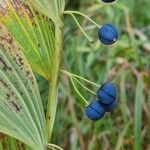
{"x":138,"y":113}
{"x":121,"y":137}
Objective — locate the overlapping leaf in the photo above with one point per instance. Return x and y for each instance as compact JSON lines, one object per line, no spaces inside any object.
{"x":34,"y":34}
{"x":21,"y":111}
{"x":51,"y":8}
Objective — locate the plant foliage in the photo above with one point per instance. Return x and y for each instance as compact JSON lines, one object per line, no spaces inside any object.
{"x":21,"y":111}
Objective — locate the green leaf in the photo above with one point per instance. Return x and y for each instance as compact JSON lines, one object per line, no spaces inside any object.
{"x":21,"y":111}
{"x":138,"y":113}
{"x":34,"y":35}
{"x":51,"y":8}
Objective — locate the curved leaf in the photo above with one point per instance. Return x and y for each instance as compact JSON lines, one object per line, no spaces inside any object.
{"x":34,"y":35}
{"x":51,"y":8}
{"x":21,"y":111}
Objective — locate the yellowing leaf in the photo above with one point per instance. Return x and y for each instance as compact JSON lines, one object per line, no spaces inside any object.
{"x":34,"y":35}
{"x":51,"y":8}
{"x":21,"y":111}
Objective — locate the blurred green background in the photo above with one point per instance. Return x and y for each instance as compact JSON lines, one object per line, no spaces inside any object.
{"x":126,"y":63}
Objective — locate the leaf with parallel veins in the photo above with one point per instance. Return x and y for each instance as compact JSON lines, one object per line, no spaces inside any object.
{"x":21,"y":111}
{"x":34,"y":34}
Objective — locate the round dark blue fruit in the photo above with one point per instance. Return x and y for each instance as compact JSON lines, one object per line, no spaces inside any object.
{"x":108,"y":34}
{"x":109,"y":107}
{"x":107,"y":93}
{"x":94,"y":111}
{"x":108,"y":1}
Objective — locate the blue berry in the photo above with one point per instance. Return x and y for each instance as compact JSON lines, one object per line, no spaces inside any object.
{"x":109,"y":107}
{"x":108,"y":34}
{"x":107,"y":93}
{"x":94,"y":111}
{"x":108,"y":1}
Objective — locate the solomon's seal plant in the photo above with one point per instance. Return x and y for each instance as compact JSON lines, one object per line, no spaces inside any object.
{"x":31,"y":39}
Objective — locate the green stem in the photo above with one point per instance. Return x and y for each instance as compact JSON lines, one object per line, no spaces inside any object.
{"x":53,"y":85}
{"x":81,"y":14}
{"x":79,"y":77}
{"x":85,"y":101}
{"x":91,"y":41}
{"x":54,"y":146}
{"x":84,"y":86}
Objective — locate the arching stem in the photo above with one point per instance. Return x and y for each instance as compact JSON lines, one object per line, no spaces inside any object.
{"x":53,"y":84}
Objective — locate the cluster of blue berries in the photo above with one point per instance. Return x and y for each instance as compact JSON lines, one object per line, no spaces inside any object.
{"x":106,"y":94}
{"x":106,"y":102}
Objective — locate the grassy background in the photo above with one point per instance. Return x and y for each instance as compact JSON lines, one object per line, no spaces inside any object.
{"x":126,"y":63}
